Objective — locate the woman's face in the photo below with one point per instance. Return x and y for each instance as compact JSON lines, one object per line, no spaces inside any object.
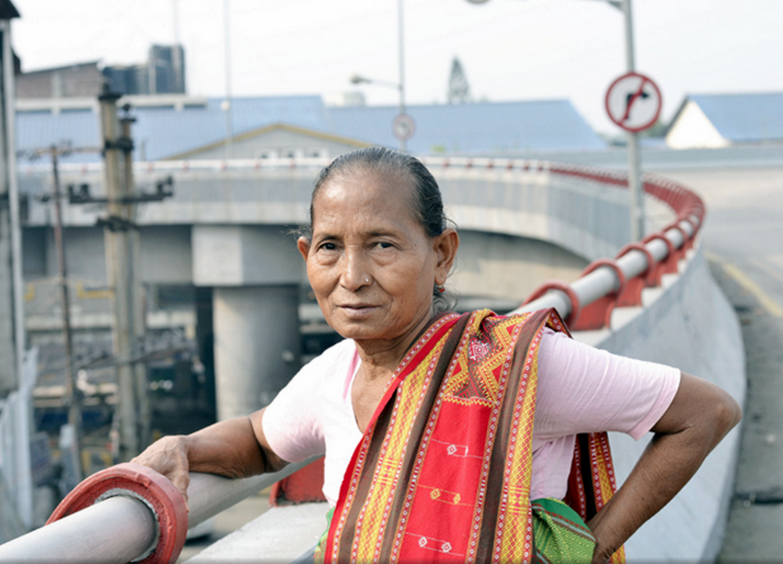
{"x":370,"y":264}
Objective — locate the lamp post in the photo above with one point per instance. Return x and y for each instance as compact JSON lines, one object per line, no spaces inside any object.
{"x":635,"y":190}
{"x":399,"y":86}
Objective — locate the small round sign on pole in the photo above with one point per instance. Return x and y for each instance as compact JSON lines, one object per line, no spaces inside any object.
{"x":634,"y":102}
{"x":403,"y":127}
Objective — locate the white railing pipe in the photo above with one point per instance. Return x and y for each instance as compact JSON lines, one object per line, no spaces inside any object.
{"x":603,"y":280}
{"x":118,"y":529}
{"x":123,"y":528}
{"x":208,"y":494}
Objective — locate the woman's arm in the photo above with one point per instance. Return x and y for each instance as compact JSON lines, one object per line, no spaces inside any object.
{"x":698,"y":418}
{"x":235,"y":448}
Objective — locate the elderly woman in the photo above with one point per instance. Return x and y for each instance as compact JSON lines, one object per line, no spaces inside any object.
{"x":473,"y":437}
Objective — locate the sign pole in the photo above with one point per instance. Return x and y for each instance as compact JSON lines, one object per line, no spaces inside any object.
{"x":634,"y":102}
{"x":635,"y":186}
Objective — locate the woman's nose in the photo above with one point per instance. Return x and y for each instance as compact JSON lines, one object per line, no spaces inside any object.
{"x":355,"y":273}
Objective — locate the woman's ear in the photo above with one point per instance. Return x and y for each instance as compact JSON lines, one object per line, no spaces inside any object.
{"x":445,"y":245}
{"x":303,"y":244}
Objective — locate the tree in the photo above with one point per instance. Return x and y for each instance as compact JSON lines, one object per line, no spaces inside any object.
{"x":459,"y":89}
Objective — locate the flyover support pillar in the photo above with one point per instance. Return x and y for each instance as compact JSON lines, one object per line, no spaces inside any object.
{"x":256,"y":345}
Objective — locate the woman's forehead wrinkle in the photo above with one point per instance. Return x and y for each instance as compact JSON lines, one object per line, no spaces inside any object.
{"x":345,"y":203}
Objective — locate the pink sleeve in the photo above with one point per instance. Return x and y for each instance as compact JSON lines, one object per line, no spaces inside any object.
{"x":582,"y":389}
{"x":292,"y":423}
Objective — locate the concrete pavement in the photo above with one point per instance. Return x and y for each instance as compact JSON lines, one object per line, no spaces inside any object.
{"x":227,"y":522}
{"x":743,"y":235}
{"x":756,"y":514}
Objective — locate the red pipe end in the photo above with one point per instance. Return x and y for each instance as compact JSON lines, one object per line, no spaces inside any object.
{"x":139,"y":482}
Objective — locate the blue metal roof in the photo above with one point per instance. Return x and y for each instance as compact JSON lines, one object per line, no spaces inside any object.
{"x":162,"y":131}
{"x":38,"y":130}
{"x":477,"y":129}
{"x":165,"y":131}
{"x":744,"y":118}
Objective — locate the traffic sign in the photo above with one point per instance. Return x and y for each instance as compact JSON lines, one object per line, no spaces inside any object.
{"x":633,"y":102}
{"x":403,"y":127}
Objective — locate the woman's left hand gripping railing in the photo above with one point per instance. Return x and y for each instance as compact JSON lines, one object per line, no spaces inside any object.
{"x":130,"y":513}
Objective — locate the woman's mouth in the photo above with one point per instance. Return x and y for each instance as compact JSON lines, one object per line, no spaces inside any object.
{"x":357,"y":311}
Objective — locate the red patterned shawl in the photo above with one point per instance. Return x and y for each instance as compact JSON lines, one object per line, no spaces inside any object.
{"x":443,"y":471}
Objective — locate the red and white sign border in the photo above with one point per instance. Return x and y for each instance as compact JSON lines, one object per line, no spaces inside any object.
{"x":645,"y":80}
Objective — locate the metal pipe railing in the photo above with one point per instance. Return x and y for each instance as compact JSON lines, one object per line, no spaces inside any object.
{"x":208,"y":494}
{"x":118,"y":529}
{"x":603,"y":280}
{"x":122,"y":528}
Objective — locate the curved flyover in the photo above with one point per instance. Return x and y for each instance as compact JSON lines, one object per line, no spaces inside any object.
{"x":654,"y":300}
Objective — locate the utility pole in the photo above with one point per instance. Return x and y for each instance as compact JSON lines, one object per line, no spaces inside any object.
{"x":72,"y":395}
{"x":137,"y":306}
{"x":119,"y":257}
{"x":123,"y":265}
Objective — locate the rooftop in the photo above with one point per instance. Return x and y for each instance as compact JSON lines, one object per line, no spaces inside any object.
{"x":181,"y":124}
{"x":744,"y":118}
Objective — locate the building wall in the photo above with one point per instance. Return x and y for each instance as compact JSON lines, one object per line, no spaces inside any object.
{"x":7,"y":351}
{"x":65,"y":82}
{"x":693,"y":130}
{"x":8,"y":379}
{"x":278,"y":143}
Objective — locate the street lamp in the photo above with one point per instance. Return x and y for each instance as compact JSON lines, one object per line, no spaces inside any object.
{"x":399,"y":86}
{"x":634,"y":162}
{"x":359,"y":79}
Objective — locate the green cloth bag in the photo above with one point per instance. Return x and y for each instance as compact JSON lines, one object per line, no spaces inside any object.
{"x":560,"y":535}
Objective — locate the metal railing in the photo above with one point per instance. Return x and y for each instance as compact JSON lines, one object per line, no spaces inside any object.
{"x":124,"y":528}
{"x":587,"y":303}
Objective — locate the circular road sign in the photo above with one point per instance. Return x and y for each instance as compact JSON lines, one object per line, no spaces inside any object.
{"x":633,"y":102}
{"x":403,"y":127}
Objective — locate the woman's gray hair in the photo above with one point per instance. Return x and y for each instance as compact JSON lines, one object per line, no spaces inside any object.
{"x":427,"y":203}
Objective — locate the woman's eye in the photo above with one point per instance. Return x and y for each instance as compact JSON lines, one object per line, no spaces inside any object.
{"x":327,"y":247}
{"x":384,"y":245}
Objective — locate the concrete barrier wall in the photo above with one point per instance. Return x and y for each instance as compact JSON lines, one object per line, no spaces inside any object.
{"x":690,"y":325}
{"x":586,"y":217}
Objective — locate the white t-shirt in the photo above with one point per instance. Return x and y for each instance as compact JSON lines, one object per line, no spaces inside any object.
{"x":581,"y":389}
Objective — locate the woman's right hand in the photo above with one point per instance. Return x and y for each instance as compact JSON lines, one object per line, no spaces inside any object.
{"x":234,"y":448}
{"x":169,"y":456}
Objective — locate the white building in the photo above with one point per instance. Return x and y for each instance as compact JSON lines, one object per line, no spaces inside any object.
{"x":723,"y":120}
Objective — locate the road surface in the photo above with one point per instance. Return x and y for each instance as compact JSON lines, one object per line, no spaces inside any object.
{"x":743,"y":237}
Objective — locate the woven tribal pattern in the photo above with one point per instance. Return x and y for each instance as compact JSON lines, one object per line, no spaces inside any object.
{"x":443,"y":472}
{"x":475,"y":378}
{"x":514,"y":530}
{"x":371,"y":525}
{"x":419,"y":360}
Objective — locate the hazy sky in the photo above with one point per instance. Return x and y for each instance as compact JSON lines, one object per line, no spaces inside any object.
{"x":510,"y":49}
